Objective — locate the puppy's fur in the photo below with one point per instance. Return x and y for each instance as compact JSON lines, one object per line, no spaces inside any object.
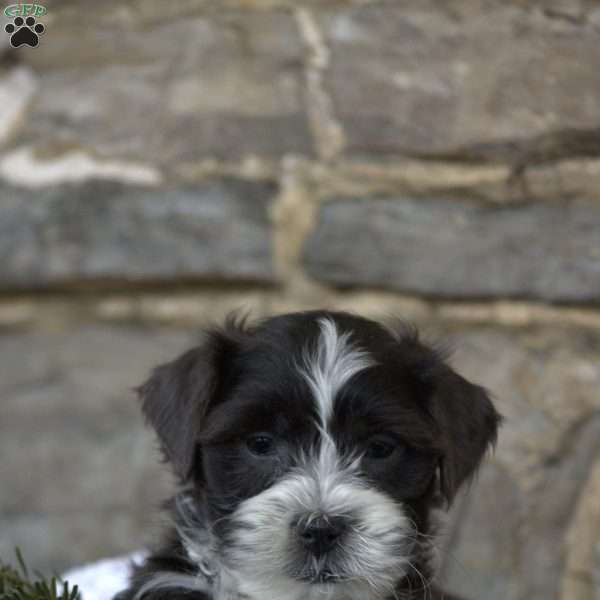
{"x":312,"y":450}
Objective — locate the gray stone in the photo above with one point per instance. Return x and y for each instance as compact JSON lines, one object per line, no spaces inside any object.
{"x":105,"y":231}
{"x":451,"y":248}
{"x":171,"y":87}
{"x":466,"y":79}
{"x":51,"y":543}
{"x":550,"y":511}
{"x":544,"y":383}
{"x":506,"y":540}
{"x":482,"y":553}
{"x":70,"y":423}
{"x":81,"y":475}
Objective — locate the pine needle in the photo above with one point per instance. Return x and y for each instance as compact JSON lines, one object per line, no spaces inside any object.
{"x":18,"y":584}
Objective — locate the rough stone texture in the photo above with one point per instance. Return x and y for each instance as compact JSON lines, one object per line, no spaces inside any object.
{"x":510,"y":539}
{"x":16,"y":90}
{"x":56,"y":540}
{"x":481,"y":556}
{"x":84,"y":473}
{"x":133,"y":87}
{"x":581,"y":580}
{"x":217,"y":230}
{"x":446,"y":247}
{"x":471,"y":79}
{"x":79,"y":384}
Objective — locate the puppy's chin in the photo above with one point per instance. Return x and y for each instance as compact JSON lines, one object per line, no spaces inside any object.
{"x":280,"y":589}
{"x":264,"y":548}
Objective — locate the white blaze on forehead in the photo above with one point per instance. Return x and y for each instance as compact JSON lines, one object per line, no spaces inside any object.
{"x":333,"y":362}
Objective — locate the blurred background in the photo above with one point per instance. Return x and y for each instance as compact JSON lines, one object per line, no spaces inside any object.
{"x":162,"y":163}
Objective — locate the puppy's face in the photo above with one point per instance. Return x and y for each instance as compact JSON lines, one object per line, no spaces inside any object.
{"x":317,"y":443}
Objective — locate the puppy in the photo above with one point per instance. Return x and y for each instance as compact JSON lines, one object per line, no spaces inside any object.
{"x":312,"y":450}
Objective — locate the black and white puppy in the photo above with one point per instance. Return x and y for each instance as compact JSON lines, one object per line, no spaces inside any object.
{"x":312,"y":449}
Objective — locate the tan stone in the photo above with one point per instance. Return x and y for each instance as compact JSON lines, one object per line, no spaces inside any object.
{"x":356,"y":177}
{"x":564,"y":179}
{"x":17,"y":89}
{"x":582,"y":570}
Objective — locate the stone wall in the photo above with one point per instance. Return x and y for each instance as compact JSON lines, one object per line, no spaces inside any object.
{"x":162,"y":163}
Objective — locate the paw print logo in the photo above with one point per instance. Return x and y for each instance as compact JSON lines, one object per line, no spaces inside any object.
{"x":24,"y":32}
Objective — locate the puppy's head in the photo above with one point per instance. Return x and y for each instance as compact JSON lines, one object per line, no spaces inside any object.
{"x":317,"y":443}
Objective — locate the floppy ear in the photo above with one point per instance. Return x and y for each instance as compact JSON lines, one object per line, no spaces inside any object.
{"x":468,"y":422}
{"x":179,"y":394}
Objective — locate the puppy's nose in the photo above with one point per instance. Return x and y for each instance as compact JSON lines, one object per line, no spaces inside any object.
{"x":320,"y":535}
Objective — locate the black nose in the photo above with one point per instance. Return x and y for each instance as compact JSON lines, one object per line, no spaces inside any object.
{"x":321,"y":534}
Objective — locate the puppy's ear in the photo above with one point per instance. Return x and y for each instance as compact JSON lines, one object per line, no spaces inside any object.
{"x":463,"y":412}
{"x":468,"y":423}
{"x":179,"y":394}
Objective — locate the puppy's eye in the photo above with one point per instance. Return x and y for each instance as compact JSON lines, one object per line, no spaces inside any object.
{"x":379,"y":448}
{"x":261,"y":444}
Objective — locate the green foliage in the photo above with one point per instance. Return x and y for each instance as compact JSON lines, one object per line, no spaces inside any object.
{"x":19,"y":585}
